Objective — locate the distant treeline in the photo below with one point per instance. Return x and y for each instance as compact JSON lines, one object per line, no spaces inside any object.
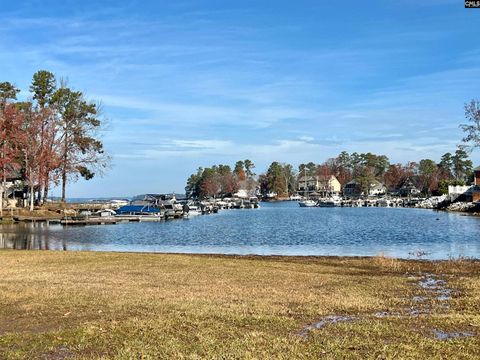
{"x":282,"y":179}
{"x":50,"y":139}
{"x":221,"y":180}
{"x":367,"y":168}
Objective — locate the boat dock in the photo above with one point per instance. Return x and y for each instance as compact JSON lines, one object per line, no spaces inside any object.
{"x":82,"y":215}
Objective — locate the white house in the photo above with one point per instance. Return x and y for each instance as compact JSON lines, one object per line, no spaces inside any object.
{"x":242,"y":194}
{"x":377,"y":188}
{"x":328,"y":184}
{"x":460,"y":190}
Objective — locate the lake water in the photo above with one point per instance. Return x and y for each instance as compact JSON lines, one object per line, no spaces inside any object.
{"x":274,"y":229}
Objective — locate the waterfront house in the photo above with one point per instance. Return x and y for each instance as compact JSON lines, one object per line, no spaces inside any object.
{"x":15,"y":191}
{"x":241,"y":194}
{"x":458,"y":190}
{"x":322,"y":185}
{"x":352,"y":189}
{"x":377,"y":188}
{"x":408,"y":188}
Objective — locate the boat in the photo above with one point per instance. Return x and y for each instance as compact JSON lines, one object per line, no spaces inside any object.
{"x":254,"y":202}
{"x":193,"y":210}
{"x":171,"y":210}
{"x":307,"y":203}
{"x":150,"y":217}
{"x":138,"y":210}
{"x":330,"y":202}
{"x":383,"y":202}
{"x":105,"y":213}
{"x":239,"y":204}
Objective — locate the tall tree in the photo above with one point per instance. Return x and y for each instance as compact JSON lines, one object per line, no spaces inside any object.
{"x":392,"y":177}
{"x":366,"y":177}
{"x":10,"y":132}
{"x":239,"y":170}
{"x":228,"y":183}
{"x":344,"y":160}
{"x":249,"y":166}
{"x":379,"y":163}
{"x":462,"y":165}
{"x":446,"y":165}
{"x":81,"y":151}
{"x":341,"y":167}
{"x":30,"y":144}
{"x":290,"y":178}
{"x":308,"y":169}
{"x":8,"y":117}
{"x":427,"y":169}
{"x":209,"y":183}
{"x":472,"y":128}
{"x":192,"y":189}
{"x":43,"y":87}
{"x":8,"y":92}
{"x":276,"y":179}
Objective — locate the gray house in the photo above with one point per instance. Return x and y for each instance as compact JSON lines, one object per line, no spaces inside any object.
{"x":352,"y":189}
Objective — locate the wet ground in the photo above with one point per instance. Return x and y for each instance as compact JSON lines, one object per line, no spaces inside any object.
{"x":433,"y":296}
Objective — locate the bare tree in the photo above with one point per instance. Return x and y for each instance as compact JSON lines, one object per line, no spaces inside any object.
{"x":472,"y":128}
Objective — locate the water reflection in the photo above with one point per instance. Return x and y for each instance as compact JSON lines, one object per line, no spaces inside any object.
{"x":29,"y":236}
{"x":274,"y":229}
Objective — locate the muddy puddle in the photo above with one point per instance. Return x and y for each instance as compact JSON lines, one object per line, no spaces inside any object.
{"x":431,"y":287}
{"x":328,"y":320}
{"x":444,"y":335}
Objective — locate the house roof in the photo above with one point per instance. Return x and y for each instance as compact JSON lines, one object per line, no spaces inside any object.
{"x":353,"y":182}
{"x":308,"y":178}
{"x":477,"y":168}
{"x":317,"y":178}
{"x":328,"y":177}
{"x":408,"y":184}
{"x":377,"y":185}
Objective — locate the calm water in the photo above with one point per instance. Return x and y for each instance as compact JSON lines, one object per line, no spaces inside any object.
{"x":280,"y":228}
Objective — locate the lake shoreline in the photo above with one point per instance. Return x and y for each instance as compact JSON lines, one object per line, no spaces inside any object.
{"x":274,"y":229}
{"x":46,"y":214}
{"x":261,"y":257}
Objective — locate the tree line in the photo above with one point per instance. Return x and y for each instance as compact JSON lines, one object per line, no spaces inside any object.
{"x":368,"y":168}
{"x":221,"y":180}
{"x":50,"y":139}
{"x":365,"y":168}
{"x":429,"y":176}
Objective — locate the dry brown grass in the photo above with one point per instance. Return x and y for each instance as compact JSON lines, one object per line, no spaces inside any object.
{"x":122,"y":306}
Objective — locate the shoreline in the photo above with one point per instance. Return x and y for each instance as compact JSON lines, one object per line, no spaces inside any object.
{"x":253,"y":256}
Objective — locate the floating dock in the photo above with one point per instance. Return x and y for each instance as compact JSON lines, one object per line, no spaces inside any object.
{"x":89,"y":221}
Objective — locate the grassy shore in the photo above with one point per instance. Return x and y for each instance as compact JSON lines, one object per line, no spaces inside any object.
{"x":62,"y":305}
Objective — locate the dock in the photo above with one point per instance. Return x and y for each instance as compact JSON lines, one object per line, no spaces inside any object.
{"x":34,"y":219}
{"x":89,"y":221}
{"x":82,"y":214}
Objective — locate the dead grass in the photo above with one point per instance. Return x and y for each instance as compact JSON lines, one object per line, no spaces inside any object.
{"x":56,"y":305}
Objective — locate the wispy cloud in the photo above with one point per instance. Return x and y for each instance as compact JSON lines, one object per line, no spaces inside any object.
{"x":201,"y":84}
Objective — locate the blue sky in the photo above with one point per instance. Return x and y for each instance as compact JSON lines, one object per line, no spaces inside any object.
{"x":192,"y":83}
